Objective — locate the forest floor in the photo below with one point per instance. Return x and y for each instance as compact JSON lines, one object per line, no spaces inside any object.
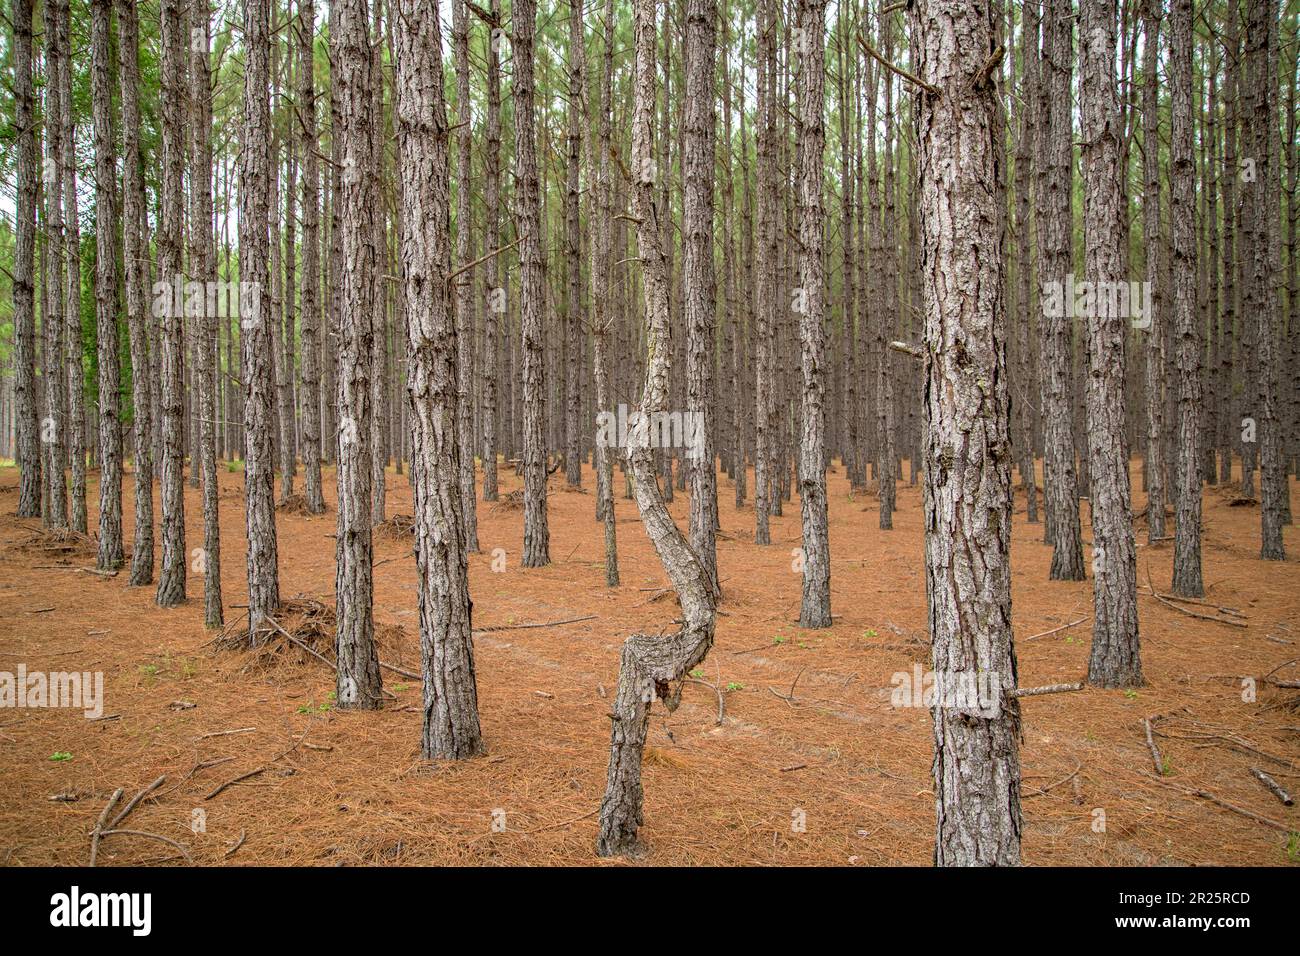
{"x":809,"y":734}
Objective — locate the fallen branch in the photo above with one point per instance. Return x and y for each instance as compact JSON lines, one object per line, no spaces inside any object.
{"x":227,"y":733}
{"x":1047,"y":689}
{"x":126,"y":811}
{"x":1056,"y":630}
{"x":1151,"y":745}
{"x":1182,"y":610}
{"x":97,"y":833}
{"x":1273,"y":786}
{"x":151,"y":836}
{"x":522,"y":627}
{"x":243,"y":835}
{"x":1206,"y":795}
{"x":714,"y":688}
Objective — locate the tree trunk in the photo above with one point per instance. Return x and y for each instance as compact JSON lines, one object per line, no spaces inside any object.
{"x":465,"y":281}
{"x":24,"y":281}
{"x":815,"y":608}
{"x":255,"y":314}
{"x":135,"y":278}
{"x":311,"y":320}
{"x":1153,"y":468}
{"x":451,"y":724}
{"x":494,"y":315}
{"x":1115,"y":659}
{"x":359,"y":685}
{"x":109,"y":554}
{"x":967,"y":447}
{"x":171,"y":579}
{"x":72,"y":353}
{"x":699,"y":286}
{"x":1055,"y":239}
{"x":650,"y":665}
{"x":532,"y":287}
{"x":1187,"y":526}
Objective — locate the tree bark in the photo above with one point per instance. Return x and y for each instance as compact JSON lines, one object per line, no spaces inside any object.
{"x":255,"y":314}
{"x":465,"y":281}
{"x":650,"y":665}
{"x":24,"y":281}
{"x":359,"y":685}
{"x":451,"y":723}
{"x":171,"y":579}
{"x":311,"y":319}
{"x":815,"y":607}
{"x":967,"y":447}
{"x":532,"y":287}
{"x":1055,"y":238}
{"x":1115,"y":660}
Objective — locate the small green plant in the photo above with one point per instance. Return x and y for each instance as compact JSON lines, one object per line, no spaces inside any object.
{"x":1131,"y":694}
{"x":1166,"y":768}
{"x":780,"y":639}
{"x":60,"y":755}
{"x":697,"y":673}
{"x":149,"y":671}
{"x":1293,"y":846}
{"x":734,"y":685}
{"x":804,"y":645}
{"x":401,"y":687}
{"x":869,"y":633}
{"x":188,"y":669}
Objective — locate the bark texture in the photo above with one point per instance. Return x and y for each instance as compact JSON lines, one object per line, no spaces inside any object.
{"x":967,"y":447}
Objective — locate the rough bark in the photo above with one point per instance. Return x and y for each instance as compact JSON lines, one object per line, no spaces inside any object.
{"x":1055,"y":235}
{"x":109,"y":553}
{"x":699,"y":285}
{"x":651,"y":665}
{"x":359,"y":685}
{"x":532,"y":286}
{"x":494,"y":314}
{"x":451,"y":723}
{"x":24,"y":279}
{"x":1154,"y":462}
{"x":465,"y":281}
{"x":71,"y":284}
{"x":1115,"y":659}
{"x":311,"y":319}
{"x":171,"y":577}
{"x":203,"y":266}
{"x":1187,"y":531}
{"x":135,"y":275}
{"x":815,"y":607}
{"x":967,"y":447}
{"x":255,"y":316}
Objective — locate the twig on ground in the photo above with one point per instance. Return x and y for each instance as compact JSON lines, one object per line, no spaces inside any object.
{"x":1273,"y":786}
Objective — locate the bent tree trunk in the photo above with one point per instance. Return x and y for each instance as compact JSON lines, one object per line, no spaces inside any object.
{"x":651,"y":665}
{"x":967,"y":444}
{"x":451,"y":725}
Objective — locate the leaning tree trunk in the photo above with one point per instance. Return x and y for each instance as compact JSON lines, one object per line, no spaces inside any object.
{"x":699,"y":288}
{"x":967,"y":444}
{"x":109,"y":555}
{"x":1115,"y":660}
{"x":1055,"y":239}
{"x":359,"y":685}
{"x":1187,"y":526}
{"x":311,"y":321}
{"x":171,"y":579}
{"x":532,"y":287}
{"x":134,"y":277}
{"x":451,"y":724}
{"x":651,"y":665}
{"x":255,"y":314}
{"x":24,"y":280}
{"x":815,"y":608}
